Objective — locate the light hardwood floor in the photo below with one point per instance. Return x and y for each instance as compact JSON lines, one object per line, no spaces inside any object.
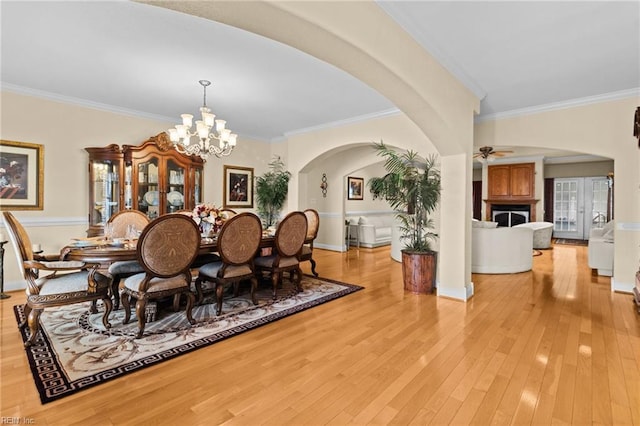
{"x":551,"y":346}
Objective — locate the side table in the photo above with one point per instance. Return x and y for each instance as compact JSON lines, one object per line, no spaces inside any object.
{"x":2,"y":294}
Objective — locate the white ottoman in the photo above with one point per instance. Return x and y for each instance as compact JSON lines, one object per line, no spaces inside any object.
{"x":542,"y":232}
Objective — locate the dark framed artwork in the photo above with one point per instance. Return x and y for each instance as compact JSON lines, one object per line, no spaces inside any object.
{"x":238,"y":187}
{"x":21,"y":176}
{"x":355,"y":188}
{"x":636,"y":125}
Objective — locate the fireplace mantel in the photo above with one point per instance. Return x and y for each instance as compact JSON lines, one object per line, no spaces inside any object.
{"x":517,"y":201}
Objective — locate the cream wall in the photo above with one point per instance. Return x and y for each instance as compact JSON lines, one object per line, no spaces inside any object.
{"x":65,"y":130}
{"x":587,"y":169}
{"x":602,"y":129}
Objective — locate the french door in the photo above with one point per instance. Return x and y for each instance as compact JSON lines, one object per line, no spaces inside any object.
{"x":579,"y":204}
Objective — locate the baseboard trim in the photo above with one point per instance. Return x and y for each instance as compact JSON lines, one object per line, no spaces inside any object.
{"x":457,"y":293}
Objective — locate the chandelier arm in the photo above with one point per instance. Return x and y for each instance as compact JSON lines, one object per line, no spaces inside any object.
{"x":182,"y":134}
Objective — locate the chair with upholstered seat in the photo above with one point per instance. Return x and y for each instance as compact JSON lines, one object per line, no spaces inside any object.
{"x":121,"y":221}
{"x":313,"y":223}
{"x":118,"y":224}
{"x":238,"y":243}
{"x":228,"y":213}
{"x":290,"y":236}
{"x":166,"y":249}
{"x":68,"y":282}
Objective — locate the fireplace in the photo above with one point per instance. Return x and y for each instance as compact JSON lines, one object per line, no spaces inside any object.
{"x":508,"y":215}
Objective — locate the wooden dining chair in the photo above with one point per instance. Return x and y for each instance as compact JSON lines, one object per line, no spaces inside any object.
{"x":290,"y":236}
{"x":228,"y":213}
{"x":67,"y":282}
{"x":313,"y":223}
{"x":238,"y":243}
{"x":120,"y":221}
{"x":119,"y":224}
{"x":166,"y":249}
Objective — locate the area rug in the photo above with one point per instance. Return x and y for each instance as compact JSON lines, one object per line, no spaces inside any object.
{"x":570,"y":242}
{"x":74,"y":352}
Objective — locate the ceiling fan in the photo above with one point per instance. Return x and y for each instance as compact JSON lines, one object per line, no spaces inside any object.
{"x":486,"y":152}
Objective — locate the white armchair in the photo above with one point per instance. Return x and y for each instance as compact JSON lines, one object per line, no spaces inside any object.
{"x":601,"y":249}
{"x":501,"y":250}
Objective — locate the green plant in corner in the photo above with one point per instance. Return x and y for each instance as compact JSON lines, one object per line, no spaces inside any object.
{"x":412,"y":188}
{"x":271,"y":192}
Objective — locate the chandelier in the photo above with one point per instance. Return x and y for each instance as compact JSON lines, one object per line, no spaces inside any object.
{"x":218,"y":141}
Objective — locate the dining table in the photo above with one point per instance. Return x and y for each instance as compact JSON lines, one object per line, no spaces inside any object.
{"x":105,"y":252}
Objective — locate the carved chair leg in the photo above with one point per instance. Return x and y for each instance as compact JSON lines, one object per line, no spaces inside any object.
{"x":176,"y":302}
{"x":115,"y":285}
{"x":199,"y":292}
{"x":94,"y":308}
{"x":219,"y":294}
{"x":254,"y":286}
{"x":191,"y":300}
{"x":124,"y":298}
{"x":313,"y":267}
{"x":141,"y":304}
{"x":275,"y":279}
{"x":108,"y":307}
{"x":298,"y":281}
{"x":27,"y":310}
{"x":34,"y":324}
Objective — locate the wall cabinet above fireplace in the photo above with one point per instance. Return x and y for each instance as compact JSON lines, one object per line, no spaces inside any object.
{"x":511,"y":181}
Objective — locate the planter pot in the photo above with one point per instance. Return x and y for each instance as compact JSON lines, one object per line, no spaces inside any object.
{"x":419,"y":271}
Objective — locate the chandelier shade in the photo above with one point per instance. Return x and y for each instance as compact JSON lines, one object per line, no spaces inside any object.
{"x":211,"y":135}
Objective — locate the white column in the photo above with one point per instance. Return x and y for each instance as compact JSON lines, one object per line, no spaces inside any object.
{"x":454,"y":262}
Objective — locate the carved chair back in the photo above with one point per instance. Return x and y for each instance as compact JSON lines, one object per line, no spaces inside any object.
{"x":22,"y":247}
{"x":121,"y":220}
{"x":168,"y":245}
{"x":291,"y":234}
{"x":239,"y":239}
{"x":313,"y":224}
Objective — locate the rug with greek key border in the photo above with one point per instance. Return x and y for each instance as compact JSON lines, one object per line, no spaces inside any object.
{"x":73,"y":350}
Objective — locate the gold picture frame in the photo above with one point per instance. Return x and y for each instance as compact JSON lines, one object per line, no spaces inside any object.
{"x":21,"y":176}
{"x":238,"y":187}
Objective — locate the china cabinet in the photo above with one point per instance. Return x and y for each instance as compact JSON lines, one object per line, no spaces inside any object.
{"x":106,"y":168}
{"x":151,"y":177}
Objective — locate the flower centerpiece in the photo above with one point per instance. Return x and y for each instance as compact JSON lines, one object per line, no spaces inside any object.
{"x":208,"y":217}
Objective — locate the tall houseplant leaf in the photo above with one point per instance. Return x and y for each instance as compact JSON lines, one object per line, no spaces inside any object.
{"x":412,"y":188}
{"x":271,"y":192}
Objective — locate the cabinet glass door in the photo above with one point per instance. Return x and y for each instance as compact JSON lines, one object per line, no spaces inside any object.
{"x":106,"y":190}
{"x":148,"y":188}
{"x":175,"y":187}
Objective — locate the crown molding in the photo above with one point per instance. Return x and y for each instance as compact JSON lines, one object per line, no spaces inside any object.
{"x":21,"y":90}
{"x":572,"y":103}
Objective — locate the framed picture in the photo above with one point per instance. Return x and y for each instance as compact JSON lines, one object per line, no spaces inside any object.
{"x":238,"y":187}
{"x":21,"y":176}
{"x":355,"y":188}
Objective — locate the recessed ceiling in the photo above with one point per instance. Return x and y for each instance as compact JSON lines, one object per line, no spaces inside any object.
{"x":146,"y":60}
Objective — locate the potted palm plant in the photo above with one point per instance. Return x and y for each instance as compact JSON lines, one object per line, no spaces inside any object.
{"x":271,"y":192}
{"x":412,"y":188}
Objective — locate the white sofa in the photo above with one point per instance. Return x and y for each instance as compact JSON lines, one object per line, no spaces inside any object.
{"x":601,"y":249}
{"x":373,"y":230}
{"x":501,"y":250}
{"x":542,"y":232}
